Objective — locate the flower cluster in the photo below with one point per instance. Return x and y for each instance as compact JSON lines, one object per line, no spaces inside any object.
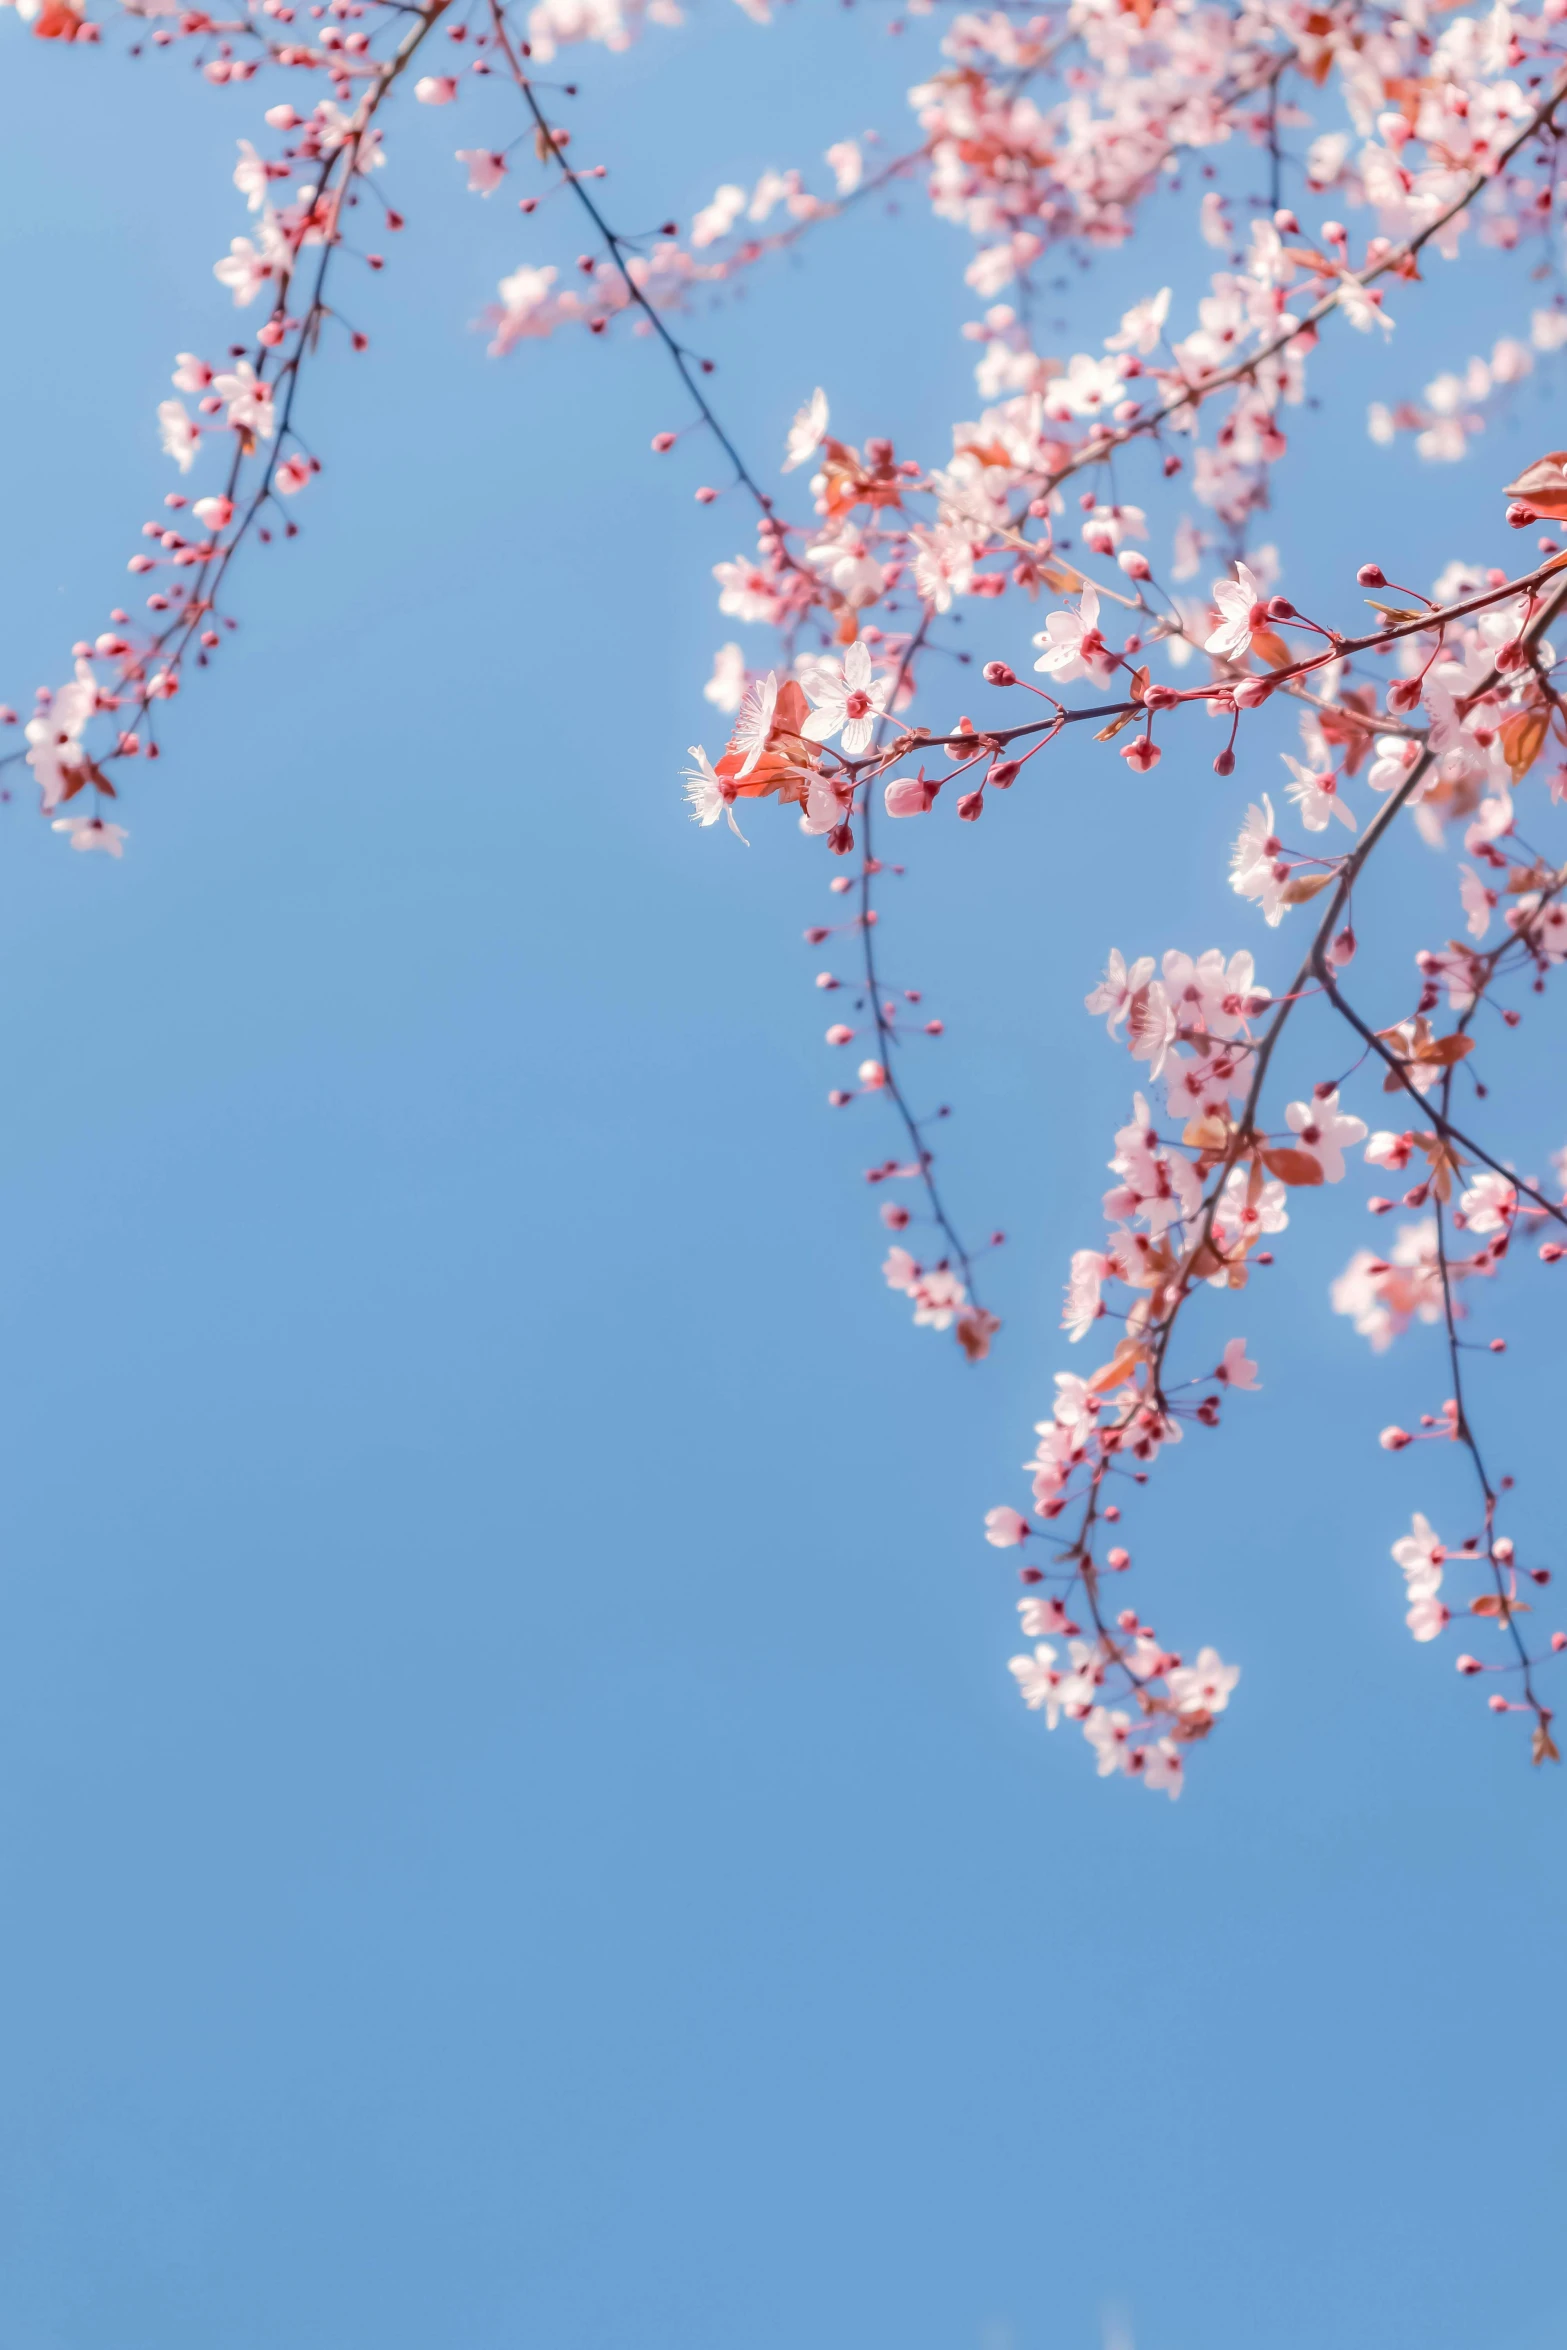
{"x":1042,"y":521}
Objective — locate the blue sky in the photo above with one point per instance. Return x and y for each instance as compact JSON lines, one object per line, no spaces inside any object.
{"x":514,"y":1823}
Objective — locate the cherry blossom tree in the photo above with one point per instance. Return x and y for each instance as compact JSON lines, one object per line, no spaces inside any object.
{"x":1418,"y":719}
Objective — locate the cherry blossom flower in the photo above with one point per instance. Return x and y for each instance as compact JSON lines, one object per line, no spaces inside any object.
{"x":848,"y":168}
{"x":726,"y":687}
{"x":755,"y":722}
{"x":1383,"y":1295}
{"x":1109,"y":1734}
{"x":1316,"y":796}
{"x":1256,"y":868}
{"x":1081,"y":1310}
{"x":1072,"y":644}
{"x":485,"y":171}
{"x":707,"y":793}
{"x":91,"y":832}
{"x":1324,"y":1131}
{"x":851,"y":697}
{"x":1005,"y":1528}
{"x":181,"y":435}
{"x":249,"y":399}
{"x":1121,"y":982}
{"x":1242,"y":608}
{"x":1039,"y":1684}
{"x":1203,"y":1688}
{"x":1235,"y":1369}
{"x":1490,"y":1203}
{"x":807,"y":432}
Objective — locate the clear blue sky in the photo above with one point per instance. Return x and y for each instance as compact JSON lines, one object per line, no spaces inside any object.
{"x":514,"y":1825}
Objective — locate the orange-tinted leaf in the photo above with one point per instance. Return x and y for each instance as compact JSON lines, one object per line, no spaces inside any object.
{"x":1445,"y":1051}
{"x":1107,"y":734}
{"x":1293,"y":1166}
{"x":1543,"y":1747}
{"x":1543,"y":485}
{"x":1491,"y":1603}
{"x":1272,"y":647}
{"x":1523,"y":738}
{"x":1304,"y":886}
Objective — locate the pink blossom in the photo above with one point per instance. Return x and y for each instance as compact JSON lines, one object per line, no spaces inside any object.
{"x":851,"y":697}
{"x":1323,"y":1129}
{"x":485,"y":170}
{"x":1242,"y":607}
{"x":1005,"y":1528}
{"x":1073,"y":646}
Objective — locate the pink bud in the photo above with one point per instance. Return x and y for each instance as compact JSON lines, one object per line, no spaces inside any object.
{"x":838,"y":1099}
{"x":909,"y":795}
{"x":1251,"y":692}
{"x":825,"y":979}
{"x":663,"y":442}
{"x":1559,"y":1641}
{"x":705,"y":496}
{"x":1224,"y":764}
{"x":1394,"y":1439}
{"x":1520,"y":516}
{"x":1468,"y":1664}
{"x":1497,"y":1703}
{"x":1118,"y":1560}
{"x":1142,"y":754}
{"x":436,"y":89}
{"x":1134,"y":563}
{"x":838,"y":1034}
{"x":935,"y":1028}
{"x":972,"y":806}
{"x":1371,"y":575}
{"x":997,"y":673}
{"x":872,"y":1075}
{"x":895,"y":1215}
{"x":1005,"y":773}
{"x":1005,"y":1528}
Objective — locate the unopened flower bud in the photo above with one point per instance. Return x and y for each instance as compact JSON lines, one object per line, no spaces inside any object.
{"x":1142,"y":754}
{"x":1224,"y":764}
{"x":1468,"y":1664}
{"x":909,"y":795}
{"x":1119,"y":1560}
{"x":1371,"y":575}
{"x":1005,"y":773}
{"x":972,"y":806}
{"x":1280,"y":608}
{"x":1342,"y":951}
{"x":1160,"y":697}
{"x":663,"y":442}
{"x":1520,"y":516}
{"x":997,"y":673}
{"x":1252,"y":692}
{"x":1394,"y":1439}
{"x":1134,"y":563}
